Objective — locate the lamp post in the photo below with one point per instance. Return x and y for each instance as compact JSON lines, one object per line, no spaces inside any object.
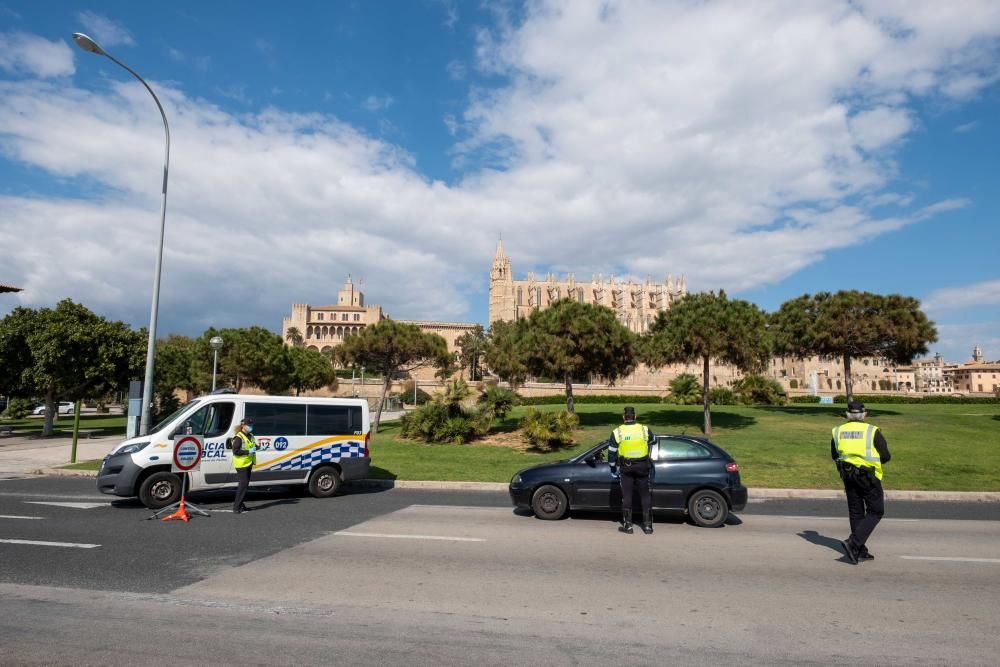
{"x":216,"y":344}
{"x":363,"y":382}
{"x":87,"y":44}
{"x":354,"y":393}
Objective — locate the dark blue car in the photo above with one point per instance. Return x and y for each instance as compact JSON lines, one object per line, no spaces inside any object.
{"x":692,"y":476}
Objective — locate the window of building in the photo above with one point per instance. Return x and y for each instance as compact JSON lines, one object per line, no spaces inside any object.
{"x":538,"y":297}
{"x":579,"y":294}
{"x":343,"y":318}
{"x":357,"y":317}
{"x":272,"y":419}
{"x":319,"y":316}
{"x":520,"y":296}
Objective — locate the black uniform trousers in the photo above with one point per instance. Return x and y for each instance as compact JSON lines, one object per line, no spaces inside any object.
{"x":865,"y":502}
{"x":243,"y":479}
{"x":634,"y":474}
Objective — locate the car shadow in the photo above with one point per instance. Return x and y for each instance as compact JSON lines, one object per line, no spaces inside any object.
{"x":833,"y":543}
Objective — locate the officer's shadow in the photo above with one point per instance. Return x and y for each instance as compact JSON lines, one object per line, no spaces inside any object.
{"x":822,"y":540}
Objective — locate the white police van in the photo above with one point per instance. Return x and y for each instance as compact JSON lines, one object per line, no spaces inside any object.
{"x":318,"y":442}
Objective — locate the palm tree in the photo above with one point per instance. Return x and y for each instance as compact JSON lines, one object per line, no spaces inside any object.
{"x":294,"y":336}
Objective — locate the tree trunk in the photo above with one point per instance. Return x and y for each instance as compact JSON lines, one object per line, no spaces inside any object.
{"x":381,"y":402}
{"x":50,"y":411}
{"x":848,"y":385}
{"x":570,"y":407}
{"x":704,"y":397}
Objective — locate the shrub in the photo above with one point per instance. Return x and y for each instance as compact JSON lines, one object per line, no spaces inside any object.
{"x":722,"y":396}
{"x":17,"y":408}
{"x":500,"y":400}
{"x":804,"y":399}
{"x":406,"y":394}
{"x":444,"y":420}
{"x":930,"y":398}
{"x":684,"y":390}
{"x":759,"y":390}
{"x":549,"y":429}
{"x":793,"y":384}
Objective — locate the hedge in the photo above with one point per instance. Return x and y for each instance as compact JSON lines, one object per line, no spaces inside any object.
{"x":888,"y":398}
{"x":560,"y":399}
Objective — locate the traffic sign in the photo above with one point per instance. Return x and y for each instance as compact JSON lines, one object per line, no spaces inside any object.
{"x":187,"y":454}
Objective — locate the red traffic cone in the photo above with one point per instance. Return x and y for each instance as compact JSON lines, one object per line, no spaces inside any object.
{"x":181,"y":513}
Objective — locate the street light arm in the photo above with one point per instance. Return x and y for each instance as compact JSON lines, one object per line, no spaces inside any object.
{"x":163,"y":115}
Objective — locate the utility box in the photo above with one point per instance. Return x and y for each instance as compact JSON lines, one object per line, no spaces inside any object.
{"x":134,"y":409}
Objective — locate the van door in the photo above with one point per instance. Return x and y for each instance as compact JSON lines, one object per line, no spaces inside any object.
{"x":214,"y":423}
{"x":280,"y":432}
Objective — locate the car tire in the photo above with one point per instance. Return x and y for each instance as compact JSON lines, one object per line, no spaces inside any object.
{"x":159,"y":490}
{"x":708,"y":508}
{"x":549,"y":503}
{"x":324,"y":482}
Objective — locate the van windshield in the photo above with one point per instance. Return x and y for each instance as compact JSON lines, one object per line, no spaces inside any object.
{"x":164,"y":422}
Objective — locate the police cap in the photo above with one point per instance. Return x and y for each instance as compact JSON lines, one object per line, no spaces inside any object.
{"x":855,"y":406}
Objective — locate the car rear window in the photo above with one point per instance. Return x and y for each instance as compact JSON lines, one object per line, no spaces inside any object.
{"x":677,"y":448}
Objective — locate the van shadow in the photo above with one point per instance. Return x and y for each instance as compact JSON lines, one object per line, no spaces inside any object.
{"x":833,"y":543}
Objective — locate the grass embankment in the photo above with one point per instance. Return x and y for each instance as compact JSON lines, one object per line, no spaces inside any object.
{"x":934,"y":447}
{"x":107,"y":424}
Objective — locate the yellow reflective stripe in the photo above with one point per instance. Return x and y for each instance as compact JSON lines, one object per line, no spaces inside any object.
{"x":318,"y":443}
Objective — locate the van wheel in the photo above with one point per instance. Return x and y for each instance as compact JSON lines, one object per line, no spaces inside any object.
{"x":159,"y":490}
{"x":324,"y":482}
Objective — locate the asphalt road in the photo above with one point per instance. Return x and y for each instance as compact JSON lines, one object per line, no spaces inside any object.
{"x":435,"y":577}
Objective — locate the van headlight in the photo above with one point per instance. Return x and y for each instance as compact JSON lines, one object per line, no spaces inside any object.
{"x":133,"y":448}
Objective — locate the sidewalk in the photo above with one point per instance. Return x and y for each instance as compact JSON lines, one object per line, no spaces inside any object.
{"x":27,"y":456}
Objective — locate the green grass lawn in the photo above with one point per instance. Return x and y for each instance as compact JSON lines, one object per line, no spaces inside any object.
{"x":108,"y":424}
{"x":934,"y":447}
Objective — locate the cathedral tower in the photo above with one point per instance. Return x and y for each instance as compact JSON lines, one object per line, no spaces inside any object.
{"x":501,"y":287}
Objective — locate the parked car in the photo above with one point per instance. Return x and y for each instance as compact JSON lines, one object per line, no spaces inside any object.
{"x":62,"y":408}
{"x":693,"y":476}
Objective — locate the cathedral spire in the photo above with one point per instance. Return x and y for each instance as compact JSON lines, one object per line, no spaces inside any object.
{"x":499,"y":254}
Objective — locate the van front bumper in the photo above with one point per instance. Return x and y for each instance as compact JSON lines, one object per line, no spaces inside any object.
{"x":118,"y":475}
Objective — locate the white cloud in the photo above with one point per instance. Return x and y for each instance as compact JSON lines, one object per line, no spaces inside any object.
{"x":977,"y":295}
{"x":376,"y":103}
{"x":967,"y":127}
{"x":955,"y":341}
{"x":456,"y":70}
{"x":107,"y":32}
{"x":32,"y":55}
{"x":734,"y":142}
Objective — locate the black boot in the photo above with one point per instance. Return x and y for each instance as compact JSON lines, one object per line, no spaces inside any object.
{"x":647,"y":523}
{"x":626,"y":526}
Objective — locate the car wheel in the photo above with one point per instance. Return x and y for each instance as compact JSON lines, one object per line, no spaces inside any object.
{"x":708,"y":508}
{"x":549,"y":503}
{"x":324,"y":482}
{"x":159,"y":490}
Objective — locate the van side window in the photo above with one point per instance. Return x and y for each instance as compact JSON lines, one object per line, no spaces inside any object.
{"x":211,"y":421}
{"x":277,"y":418}
{"x":335,"y":419}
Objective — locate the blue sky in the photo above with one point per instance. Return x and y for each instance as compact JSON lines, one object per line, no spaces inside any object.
{"x":770,"y":149}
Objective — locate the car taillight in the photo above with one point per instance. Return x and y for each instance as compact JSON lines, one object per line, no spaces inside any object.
{"x":733,"y":467}
{"x":366,"y":443}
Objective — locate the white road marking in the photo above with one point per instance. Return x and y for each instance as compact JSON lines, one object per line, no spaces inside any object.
{"x":51,"y":544}
{"x":77,"y":506}
{"x":410,"y":537}
{"x":955,"y":559}
{"x":831,"y":518}
{"x":13,"y":516}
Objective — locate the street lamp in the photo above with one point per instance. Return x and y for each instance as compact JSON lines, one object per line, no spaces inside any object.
{"x":216,"y":344}
{"x":87,"y":44}
{"x":363,"y":393}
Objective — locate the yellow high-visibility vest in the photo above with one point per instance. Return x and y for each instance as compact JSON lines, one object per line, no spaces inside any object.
{"x":249,"y":459}
{"x":633,"y":441}
{"x":856,"y":445}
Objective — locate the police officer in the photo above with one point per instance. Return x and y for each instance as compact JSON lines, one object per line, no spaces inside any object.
{"x":244,"y":457}
{"x":860,"y":450}
{"x":628,"y":449}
